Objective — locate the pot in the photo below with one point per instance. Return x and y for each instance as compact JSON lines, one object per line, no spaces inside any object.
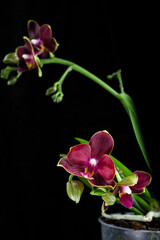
{"x":111,"y":232}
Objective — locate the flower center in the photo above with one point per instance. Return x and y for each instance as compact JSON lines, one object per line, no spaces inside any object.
{"x":93,"y":162}
{"x":126,"y":189}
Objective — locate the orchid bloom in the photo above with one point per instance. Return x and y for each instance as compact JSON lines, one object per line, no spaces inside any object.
{"x":132,"y":184}
{"x":41,"y":38}
{"x":27,"y":58}
{"x":91,"y":160}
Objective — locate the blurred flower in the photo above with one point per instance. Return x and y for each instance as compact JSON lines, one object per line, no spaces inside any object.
{"x":41,"y":38}
{"x":132,"y":184}
{"x":27,"y":58}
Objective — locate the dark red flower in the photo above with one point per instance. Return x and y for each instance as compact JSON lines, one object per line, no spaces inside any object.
{"x":41,"y":38}
{"x":133,"y":184}
{"x":27,"y":58}
{"x":92,"y":160}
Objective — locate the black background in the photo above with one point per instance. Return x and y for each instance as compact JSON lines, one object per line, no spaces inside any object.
{"x":102,"y":37}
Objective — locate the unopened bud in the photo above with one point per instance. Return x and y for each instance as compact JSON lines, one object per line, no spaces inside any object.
{"x":12,"y":80}
{"x":57,"y":97}
{"x":109,"y":199}
{"x":11,"y":58}
{"x":74,"y":190}
{"x":50,"y":91}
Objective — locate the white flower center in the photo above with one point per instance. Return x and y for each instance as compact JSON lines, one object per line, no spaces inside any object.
{"x":35,"y":41}
{"x":93,"y":162}
{"x":127,"y":189}
{"x":26,"y":56}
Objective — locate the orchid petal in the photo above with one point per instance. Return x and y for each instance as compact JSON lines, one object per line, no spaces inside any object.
{"x":144,"y":180}
{"x":99,"y":181}
{"x":101,"y":143}
{"x":106,"y":168}
{"x":135,"y":191}
{"x":126,"y":200}
{"x":45,"y":33}
{"x":51,"y":45}
{"x":33,"y":29}
{"x":73,"y":169}
{"x":79,"y":154}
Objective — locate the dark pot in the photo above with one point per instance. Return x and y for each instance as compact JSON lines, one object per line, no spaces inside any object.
{"x":111,"y":232}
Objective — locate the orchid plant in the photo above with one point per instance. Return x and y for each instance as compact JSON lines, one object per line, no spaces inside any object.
{"x":89,"y":163}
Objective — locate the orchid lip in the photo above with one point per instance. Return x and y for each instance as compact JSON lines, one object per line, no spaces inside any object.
{"x":87,"y":175}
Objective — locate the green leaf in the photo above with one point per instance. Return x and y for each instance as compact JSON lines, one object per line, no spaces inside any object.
{"x":121,"y":166}
{"x":82,"y":141}
{"x":85,"y":181}
{"x":63,"y":155}
{"x":130,"y":108}
{"x":141,"y":202}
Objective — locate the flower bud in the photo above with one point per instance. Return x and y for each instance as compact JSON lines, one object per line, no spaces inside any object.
{"x":11,"y":58}
{"x":50,"y":91}
{"x":109,"y":199}
{"x":57,"y":97}
{"x":6,"y":72}
{"x":74,"y":190}
{"x":12,"y":80}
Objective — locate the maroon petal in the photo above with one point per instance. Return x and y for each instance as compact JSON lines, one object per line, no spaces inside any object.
{"x":135,"y":191}
{"x":73,"y":169}
{"x":144,"y":180}
{"x":101,"y":143}
{"x":126,"y":200}
{"x":28,"y":46}
{"x":79,"y":154}
{"x":51,"y":45}
{"x":33,"y":29}
{"x":106,"y":168}
{"x":99,"y":181}
{"x":20,"y":51}
{"x":45,"y":33}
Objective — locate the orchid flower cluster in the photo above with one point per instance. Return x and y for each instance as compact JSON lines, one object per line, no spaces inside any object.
{"x":93,"y":162}
{"x":27,"y":57}
{"x":90,"y":163}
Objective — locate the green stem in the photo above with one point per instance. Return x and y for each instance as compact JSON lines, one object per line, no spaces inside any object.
{"x":84,"y":72}
{"x":124,"y":98}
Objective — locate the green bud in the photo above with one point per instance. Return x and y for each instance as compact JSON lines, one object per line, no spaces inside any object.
{"x":6,"y":72}
{"x":74,"y":190}
{"x":58,"y":97}
{"x":109,"y":199}
{"x":98,"y":192}
{"x":11,"y":58}
{"x":50,"y":91}
{"x":12,"y":80}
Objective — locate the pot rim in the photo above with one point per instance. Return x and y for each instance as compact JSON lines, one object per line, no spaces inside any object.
{"x":100,"y":220}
